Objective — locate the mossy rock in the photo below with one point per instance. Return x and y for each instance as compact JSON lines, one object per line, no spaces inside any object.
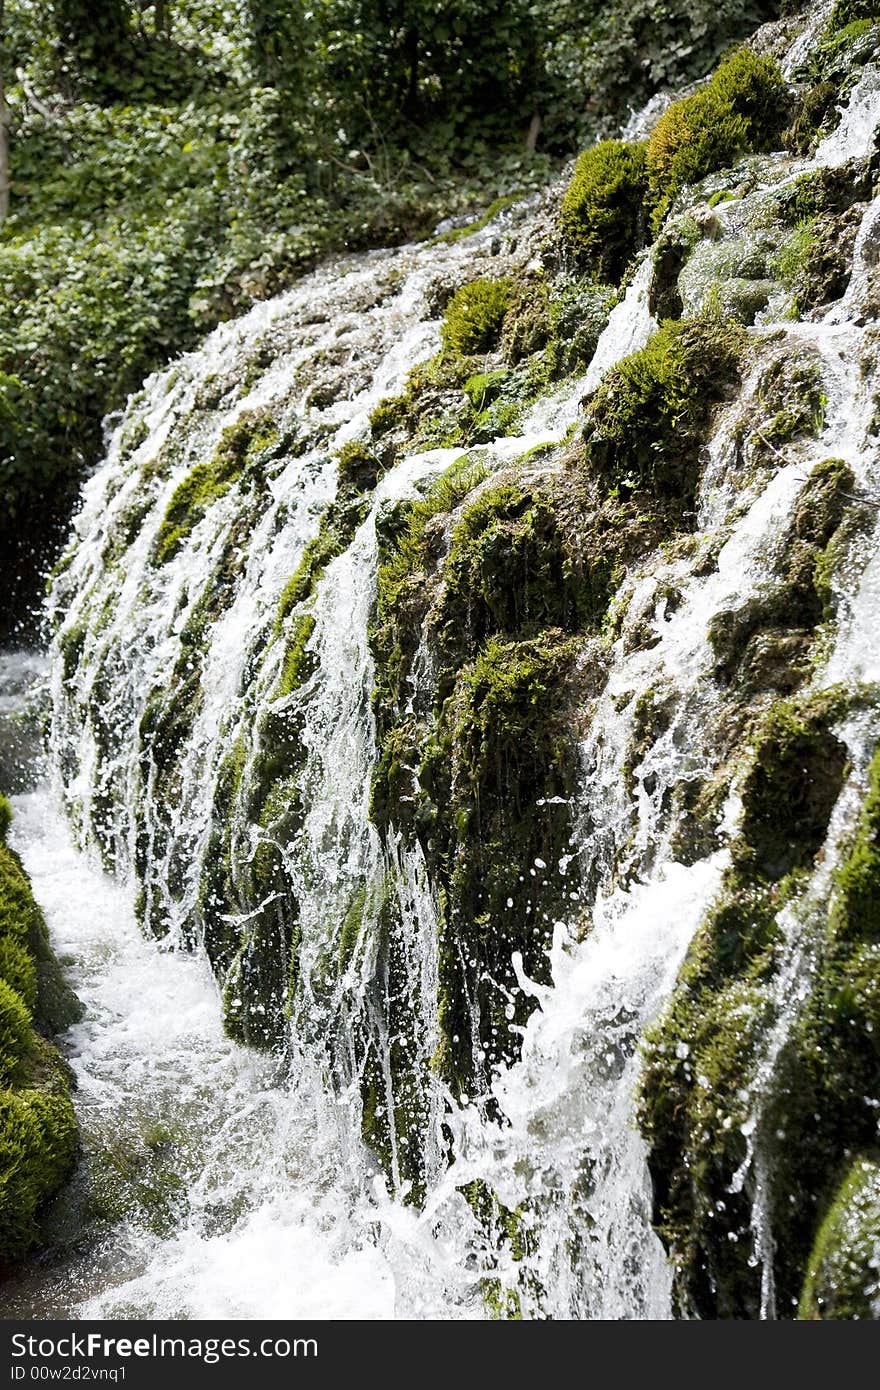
{"x":18,"y":970}
{"x":843,"y":1280}
{"x":792,"y":784}
{"x":38,"y":1135}
{"x":742,"y":108}
{"x":601,"y":218}
{"x":647,"y":419}
{"x":38,"y":1143}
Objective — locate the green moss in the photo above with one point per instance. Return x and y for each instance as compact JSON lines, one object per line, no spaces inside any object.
{"x":528,"y":322}
{"x":38,"y":1141}
{"x":741,"y":109}
{"x":842,"y":1276}
{"x":460,"y":233}
{"x":389,"y":413}
{"x":18,"y":970}
{"x":358,"y":470}
{"x":475,"y":317}
{"x":601,"y":217}
{"x":647,"y":419}
{"x":5,"y":816}
{"x":37,"y":1127}
{"x":241,"y":444}
{"x":812,"y":115}
{"x":792,"y":394}
{"x":15,"y":1031}
{"x":766,"y":641}
{"x":793,"y":782}
{"x":702,"y":1057}
{"x":579,"y":312}
{"x":815,"y":261}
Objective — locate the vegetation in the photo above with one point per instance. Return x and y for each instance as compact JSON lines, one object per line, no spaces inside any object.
{"x":171,"y":164}
{"x":602,"y":214}
{"x":646,"y":418}
{"x":741,"y":109}
{"x":38,"y":1138}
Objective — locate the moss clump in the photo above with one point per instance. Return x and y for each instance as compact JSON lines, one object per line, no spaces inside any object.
{"x":390,"y":412}
{"x":38,"y":1141}
{"x":766,"y":642}
{"x":813,"y":114}
{"x":741,"y":109}
{"x":815,"y":261}
{"x":792,"y":393}
{"x":601,"y":218}
{"x":358,"y":470}
{"x":241,"y":444}
{"x":842,"y":1275}
{"x":649,"y":415}
{"x":38,"y":1136}
{"x":475,"y":317}
{"x":792,"y":784}
{"x":815,"y":1110}
{"x":18,"y":970}
{"x":498,"y":774}
{"x":579,"y":312}
{"x":528,"y":322}
{"x":5,"y":816}
{"x":15,"y":1031}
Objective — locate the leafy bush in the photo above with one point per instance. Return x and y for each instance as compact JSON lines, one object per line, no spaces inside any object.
{"x":601,"y":214}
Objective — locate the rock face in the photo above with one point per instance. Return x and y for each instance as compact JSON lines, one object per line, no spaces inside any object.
{"x":477,"y":610}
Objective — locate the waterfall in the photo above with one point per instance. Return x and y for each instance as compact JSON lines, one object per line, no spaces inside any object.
{"x":213,"y":745}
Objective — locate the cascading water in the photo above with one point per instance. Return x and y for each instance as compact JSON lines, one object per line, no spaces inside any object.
{"x":285,"y":1211}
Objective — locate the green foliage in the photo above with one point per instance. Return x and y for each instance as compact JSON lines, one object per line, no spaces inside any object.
{"x":5,"y":816}
{"x":601,"y":216}
{"x":474,"y":317}
{"x":647,"y":417}
{"x":742,"y":108}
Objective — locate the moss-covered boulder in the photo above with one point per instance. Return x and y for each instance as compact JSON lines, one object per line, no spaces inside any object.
{"x":38,"y":1134}
{"x":843,"y":1271}
{"x":742,"y":108}
{"x":647,"y":420}
{"x":711,"y":1107}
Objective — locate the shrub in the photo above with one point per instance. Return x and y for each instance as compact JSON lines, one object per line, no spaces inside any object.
{"x":602,"y":212}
